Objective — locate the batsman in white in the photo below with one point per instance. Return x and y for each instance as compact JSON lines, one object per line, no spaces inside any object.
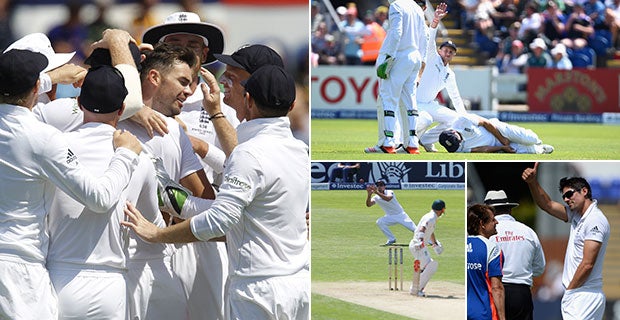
{"x":400,"y":60}
{"x":424,"y":267}
{"x":394,"y":212}
{"x":35,"y":159}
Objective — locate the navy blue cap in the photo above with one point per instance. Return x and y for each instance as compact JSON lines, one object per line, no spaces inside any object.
{"x":103,"y":90}
{"x":438,"y":205}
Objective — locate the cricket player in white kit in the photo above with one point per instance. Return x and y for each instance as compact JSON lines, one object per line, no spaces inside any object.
{"x":89,"y":278}
{"x":35,"y":160}
{"x":205,"y":264}
{"x":260,"y":208}
{"x":400,"y":59}
{"x":424,"y":266}
{"x":473,"y":133}
{"x":587,"y":243}
{"x":394,"y":212}
{"x":436,"y":76}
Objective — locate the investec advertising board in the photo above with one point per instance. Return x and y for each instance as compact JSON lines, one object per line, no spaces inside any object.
{"x":398,"y":175}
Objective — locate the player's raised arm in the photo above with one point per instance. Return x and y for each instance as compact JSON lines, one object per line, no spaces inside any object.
{"x":541,"y":197}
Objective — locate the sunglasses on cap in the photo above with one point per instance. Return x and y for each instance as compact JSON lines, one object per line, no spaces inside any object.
{"x":568,"y":194}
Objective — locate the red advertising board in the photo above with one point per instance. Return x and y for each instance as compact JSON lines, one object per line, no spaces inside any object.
{"x":577,"y":90}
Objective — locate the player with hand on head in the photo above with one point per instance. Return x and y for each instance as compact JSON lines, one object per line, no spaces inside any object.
{"x":424,"y":267}
{"x":587,"y":243}
{"x":394,"y":212}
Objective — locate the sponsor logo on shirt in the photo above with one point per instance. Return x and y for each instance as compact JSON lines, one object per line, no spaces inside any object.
{"x":474,"y":266}
{"x":509,"y":236}
{"x":596,"y":230}
{"x":236,"y":182}
{"x":469,"y":248}
{"x":71,"y":157}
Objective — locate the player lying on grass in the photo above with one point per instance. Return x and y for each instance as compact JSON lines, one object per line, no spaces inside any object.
{"x":473,"y":133}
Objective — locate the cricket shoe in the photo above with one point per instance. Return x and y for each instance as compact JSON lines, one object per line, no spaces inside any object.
{"x":380,"y":149}
{"x":409,"y":150}
{"x":547,"y":148}
{"x":390,"y":242}
{"x":421,"y":293}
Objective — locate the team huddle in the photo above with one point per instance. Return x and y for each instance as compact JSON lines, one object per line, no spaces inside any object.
{"x":149,"y":196}
{"x":412,"y":73}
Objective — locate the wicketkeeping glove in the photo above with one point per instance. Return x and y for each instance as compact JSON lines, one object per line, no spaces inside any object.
{"x":383,"y":70}
{"x":170,"y":194}
{"x":438,"y":247}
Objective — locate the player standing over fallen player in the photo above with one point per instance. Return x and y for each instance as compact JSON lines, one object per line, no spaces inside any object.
{"x":424,"y":266}
{"x":398,"y":64}
{"x":589,"y":234}
{"x":394,"y":212}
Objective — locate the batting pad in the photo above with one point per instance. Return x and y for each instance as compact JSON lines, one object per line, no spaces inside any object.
{"x":428,"y":272}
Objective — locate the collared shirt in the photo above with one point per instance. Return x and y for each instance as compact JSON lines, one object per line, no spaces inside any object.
{"x":484,"y":261}
{"x":391,"y":207}
{"x":524,"y":256}
{"x":262,"y":203}
{"x":593,"y":225}
{"x":35,"y":159}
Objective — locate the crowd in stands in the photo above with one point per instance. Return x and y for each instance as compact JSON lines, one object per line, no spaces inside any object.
{"x":512,"y":34}
{"x":345,"y":39}
{"x":558,"y":34}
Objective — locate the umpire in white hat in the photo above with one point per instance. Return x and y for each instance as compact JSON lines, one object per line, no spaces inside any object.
{"x":523,"y":256}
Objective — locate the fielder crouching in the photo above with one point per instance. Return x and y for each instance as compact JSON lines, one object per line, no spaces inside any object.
{"x":424,"y":267}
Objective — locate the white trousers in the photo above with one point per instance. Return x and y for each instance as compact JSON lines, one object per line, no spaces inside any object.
{"x":396,"y":92}
{"x":155,"y":292}
{"x":580,"y":304}
{"x":391,"y":219}
{"x":90,"y":294}
{"x":273,"y":298}
{"x":203,"y":269}
{"x":26,"y":291}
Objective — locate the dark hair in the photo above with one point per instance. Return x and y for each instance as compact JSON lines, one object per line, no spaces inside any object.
{"x":478,"y":214}
{"x":576,"y":183}
{"x":164,"y":56}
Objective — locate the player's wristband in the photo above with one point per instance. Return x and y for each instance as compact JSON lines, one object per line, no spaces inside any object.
{"x":217,"y":115}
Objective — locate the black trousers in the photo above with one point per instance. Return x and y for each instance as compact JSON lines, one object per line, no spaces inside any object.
{"x":518,"y":302}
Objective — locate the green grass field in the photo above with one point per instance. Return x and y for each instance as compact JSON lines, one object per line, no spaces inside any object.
{"x":346,"y":243}
{"x":345,"y":139}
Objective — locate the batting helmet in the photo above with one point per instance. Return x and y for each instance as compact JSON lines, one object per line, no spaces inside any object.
{"x":449,"y":139}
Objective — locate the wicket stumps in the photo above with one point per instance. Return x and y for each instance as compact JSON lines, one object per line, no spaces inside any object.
{"x":396,"y":248}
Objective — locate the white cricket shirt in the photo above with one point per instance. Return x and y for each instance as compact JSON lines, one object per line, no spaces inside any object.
{"x":593,"y":225}
{"x":174,"y":148}
{"x":436,"y":77}
{"x":523,"y":253}
{"x":262,"y":203}
{"x":80,"y":237}
{"x":391,"y":207}
{"x":408,"y":31}
{"x":428,"y":221}
{"x":35,"y":158}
